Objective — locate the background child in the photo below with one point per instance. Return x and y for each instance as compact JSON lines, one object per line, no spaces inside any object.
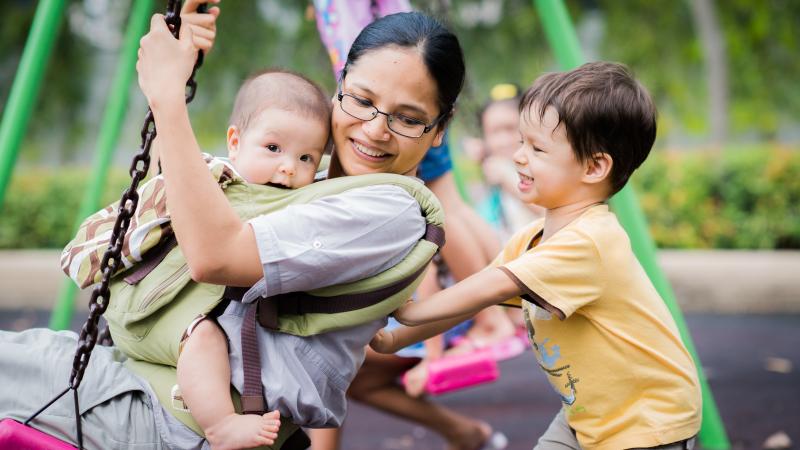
{"x":499,"y":124}
{"x":613,"y":355}
{"x":278,"y":132}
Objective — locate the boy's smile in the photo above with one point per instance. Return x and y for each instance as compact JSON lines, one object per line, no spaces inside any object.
{"x":549,"y":173}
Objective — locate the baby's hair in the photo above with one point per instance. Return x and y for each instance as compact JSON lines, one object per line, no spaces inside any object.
{"x":603,"y":110}
{"x":282,"y":89}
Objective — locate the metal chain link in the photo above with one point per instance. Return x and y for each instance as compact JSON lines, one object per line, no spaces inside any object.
{"x":127,"y":207}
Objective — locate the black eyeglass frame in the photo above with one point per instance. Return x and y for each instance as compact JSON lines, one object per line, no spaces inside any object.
{"x":340,"y":95}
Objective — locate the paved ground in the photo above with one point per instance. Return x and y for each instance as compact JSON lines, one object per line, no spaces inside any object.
{"x":736,"y":351}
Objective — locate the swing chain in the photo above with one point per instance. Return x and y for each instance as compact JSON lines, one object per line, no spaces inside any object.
{"x":112,"y":260}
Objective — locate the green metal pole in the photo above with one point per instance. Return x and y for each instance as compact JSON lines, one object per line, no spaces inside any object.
{"x":110,"y":127}
{"x":25,"y":89}
{"x":564,"y":42}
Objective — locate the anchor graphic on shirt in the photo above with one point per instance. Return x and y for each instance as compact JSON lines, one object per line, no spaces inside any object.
{"x":548,"y":360}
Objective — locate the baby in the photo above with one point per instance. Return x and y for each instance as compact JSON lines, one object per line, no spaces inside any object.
{"x":279,"y":130}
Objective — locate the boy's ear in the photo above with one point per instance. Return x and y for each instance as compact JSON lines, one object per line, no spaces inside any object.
{"x":598,"y":168}
{"x":233,"y":141}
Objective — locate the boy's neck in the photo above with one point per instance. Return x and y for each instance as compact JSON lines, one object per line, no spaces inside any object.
{"x":557,"y":218}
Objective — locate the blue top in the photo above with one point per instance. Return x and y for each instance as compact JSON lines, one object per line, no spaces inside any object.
{"x":436,"y":162}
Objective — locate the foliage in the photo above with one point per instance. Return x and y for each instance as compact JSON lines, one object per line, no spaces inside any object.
{"x":659,"y":42}
{"x":739,"y":198}
{"x":54,"y":114}
{"x":656,"y":39}
{"x":40,"y":206}
{"x":747,"y":198}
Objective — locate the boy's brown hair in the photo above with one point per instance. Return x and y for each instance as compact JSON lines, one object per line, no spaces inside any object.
{"x":603,"y":109}
{"x":282,"y":89}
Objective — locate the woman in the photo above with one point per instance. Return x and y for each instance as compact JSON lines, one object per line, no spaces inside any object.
{"x":403,"y":75}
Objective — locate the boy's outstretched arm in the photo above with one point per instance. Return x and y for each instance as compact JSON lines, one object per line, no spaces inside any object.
{"x":446,"y":309}
{"x":485,"y":288}
{"x":388,"y":342}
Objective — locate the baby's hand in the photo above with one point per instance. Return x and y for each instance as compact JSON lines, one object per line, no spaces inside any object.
{"x":204,"y":25}
{"x":165,"y":63}
{"x":383,"y":342}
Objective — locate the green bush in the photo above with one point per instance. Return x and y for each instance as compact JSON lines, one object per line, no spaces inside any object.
{"x":41,"y":206}
{"x":745,"y":198}
{"x":736,"y":199}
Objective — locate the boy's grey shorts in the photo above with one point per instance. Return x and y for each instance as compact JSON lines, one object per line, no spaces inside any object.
{"x":559,"y":436}
{"x":35,"y":366}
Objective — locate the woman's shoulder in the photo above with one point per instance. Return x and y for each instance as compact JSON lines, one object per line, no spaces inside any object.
{"x":379,"y":200}
{"x":397,"y":190}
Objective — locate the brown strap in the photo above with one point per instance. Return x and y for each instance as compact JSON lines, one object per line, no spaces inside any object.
{"x":267,"y":310}
{"x":435,"y":234}
{"x":253,"y":392}
{"x":297,"y":303}
{"x":150,"y":261}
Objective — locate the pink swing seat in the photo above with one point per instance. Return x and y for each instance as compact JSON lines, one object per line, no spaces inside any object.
{"x":16,"y":436}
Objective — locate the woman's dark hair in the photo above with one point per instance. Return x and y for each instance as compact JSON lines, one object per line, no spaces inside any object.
{"x":439,"y":48}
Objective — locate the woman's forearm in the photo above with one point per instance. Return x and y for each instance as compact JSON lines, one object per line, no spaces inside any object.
{"x":208,"y":229}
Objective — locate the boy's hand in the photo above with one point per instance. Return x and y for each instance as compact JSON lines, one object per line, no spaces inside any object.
{"x":383,"y":342}
{"x":415,"y":379}
{"x":165,"y":63}
{"x":400,"y":313}
{"x":204,"y":25}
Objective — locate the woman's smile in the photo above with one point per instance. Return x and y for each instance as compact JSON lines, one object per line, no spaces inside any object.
{"x":363,"y":150}
{"x":395,"y":80}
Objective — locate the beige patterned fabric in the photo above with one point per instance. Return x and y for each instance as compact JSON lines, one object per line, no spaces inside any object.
{"x":149,"y":226}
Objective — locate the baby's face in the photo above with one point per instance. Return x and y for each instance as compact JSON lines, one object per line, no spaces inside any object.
{"x":279,"y":148}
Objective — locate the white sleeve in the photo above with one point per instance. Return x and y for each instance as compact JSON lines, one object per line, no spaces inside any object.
{"x":336,"y":239}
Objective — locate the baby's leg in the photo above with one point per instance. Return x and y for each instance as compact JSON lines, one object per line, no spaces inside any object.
{"x":204,"y":377}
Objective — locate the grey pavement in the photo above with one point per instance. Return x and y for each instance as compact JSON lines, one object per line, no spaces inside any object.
{"x":743,"y":310}
{"x":704,"y":281}
{"x":752,"y":363}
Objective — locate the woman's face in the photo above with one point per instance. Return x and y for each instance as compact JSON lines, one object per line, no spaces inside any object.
{"x":396,"y":81}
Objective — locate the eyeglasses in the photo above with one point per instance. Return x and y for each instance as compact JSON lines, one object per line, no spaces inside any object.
{"x":364,"y":110}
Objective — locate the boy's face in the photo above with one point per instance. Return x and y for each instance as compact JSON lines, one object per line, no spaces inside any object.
{"x":550,"y":174}
{"x":280,"y":148}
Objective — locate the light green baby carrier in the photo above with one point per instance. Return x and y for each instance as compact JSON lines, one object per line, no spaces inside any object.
{"x":154,"y":300}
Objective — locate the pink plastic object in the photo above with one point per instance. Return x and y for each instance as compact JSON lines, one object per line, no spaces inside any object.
{"x":507,"y":348}
{"x":16,"y":436}
{"x":460,"y":371}
{"x":500,"y":351}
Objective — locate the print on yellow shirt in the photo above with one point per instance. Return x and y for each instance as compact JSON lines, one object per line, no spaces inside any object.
{"x":548,"y":354}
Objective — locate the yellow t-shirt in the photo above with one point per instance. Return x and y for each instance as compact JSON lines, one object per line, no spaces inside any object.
{"x":603,"y":335}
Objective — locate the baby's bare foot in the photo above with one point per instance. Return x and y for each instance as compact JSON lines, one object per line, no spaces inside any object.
{"x":240,"y":431}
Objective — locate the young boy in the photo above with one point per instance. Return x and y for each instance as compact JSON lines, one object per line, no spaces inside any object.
{"x":600,"y":331}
